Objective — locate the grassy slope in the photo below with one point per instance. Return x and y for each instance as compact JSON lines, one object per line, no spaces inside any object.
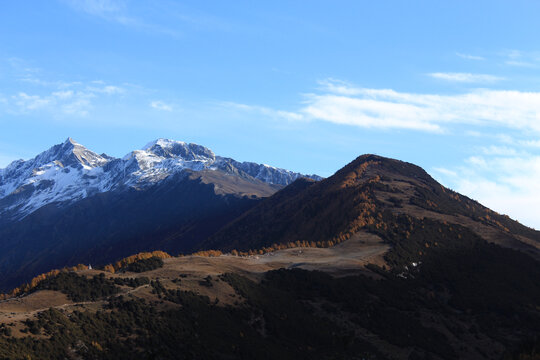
{"x":467,"y":299}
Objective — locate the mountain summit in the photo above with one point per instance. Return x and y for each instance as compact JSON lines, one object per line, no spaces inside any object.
{"x":70,"y":154}
{"x":373,"y":194}
{"x":171,"y":148}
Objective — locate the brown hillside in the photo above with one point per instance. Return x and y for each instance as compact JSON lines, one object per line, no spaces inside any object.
{"x":368,"y":194}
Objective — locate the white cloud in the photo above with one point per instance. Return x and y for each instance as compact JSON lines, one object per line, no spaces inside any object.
{"x":78,"y":107}
{"x":474,"y":133}
{"x":287,"y":115}
{"x":116,"y":11}
{"x":60,"y":98}
{"x":160,"y":105}
{"x":466,"y":77}
{"x":505,"y":138}
{"x":341,"y":103}
{"x":445,"y":171}
{"x":507,"y":184}
{"x":109,"y":89}
{"x":106,"y":89}
{"x":337,"y":86}
{"x":521,"y":59}
{"x":499,"y":150}
{"x":531,"y":143}
{"x":102,"y":8}
{"x":58,"y":102}
{"x":63,"y":94}
{"x":477,"y":161}
{"x":30,"y":102}
{"x":470,"y":57}
{"x":35,"y":93}
{"x":385,"y":108}
{"x":513,"y":54}
{"x":520,"y":63}
{"x":369,"y":112}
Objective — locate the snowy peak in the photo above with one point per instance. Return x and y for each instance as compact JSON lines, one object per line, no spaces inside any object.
{"x":172,"y":148}
{"x":70,"y":154}
{"x":68,"y":172}
{"x":162,"y":158}
{"x":65,"y":172}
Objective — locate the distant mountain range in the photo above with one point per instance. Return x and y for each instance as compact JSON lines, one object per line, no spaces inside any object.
{"x":69,"y":172}
{"x":378,"y":261}
{"x":69,"y":205}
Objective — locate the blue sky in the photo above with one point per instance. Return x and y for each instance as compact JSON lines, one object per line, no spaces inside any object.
{"x":453,"y":86}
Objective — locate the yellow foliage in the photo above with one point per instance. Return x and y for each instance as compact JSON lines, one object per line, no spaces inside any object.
{"x":208,"y":253}
{"x":39,"y":278}
{"x":140,"y":256}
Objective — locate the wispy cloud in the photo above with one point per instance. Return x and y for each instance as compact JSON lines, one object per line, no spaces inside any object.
{"x":38,"y":93}
{"x":519,"y":58}
{"x":160,"y":105}
{"x":266,"y":111}
{"x":337,"y":86}
{"x":75,"y":100}
{"x":531,"y":143}
{"x":371,"y":110}
{"x":30,"y":102}
{"x":106,"y":89}
{"x":99,"y":7}
{"x":466,"y":77}
{"x":520,"y":63}
{"x":499,"y":150}
{"x":507,"y":183}
{"x":117,"y":11}
{"x":112,"y":10}
{"x":385,"y":108}
{"x":58,"y":102}
{"x":470,"y":57}
{"x":341,"y":103}
{"x":445,"y":171}
{"x":21,"y":66}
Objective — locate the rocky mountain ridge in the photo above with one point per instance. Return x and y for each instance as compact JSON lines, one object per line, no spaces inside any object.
{"x":69,"y":172}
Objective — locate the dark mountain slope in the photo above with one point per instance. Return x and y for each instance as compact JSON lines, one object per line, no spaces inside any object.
{"x":174,"y":216}
{"x":370,"y":193}
{"x":473,"y":301}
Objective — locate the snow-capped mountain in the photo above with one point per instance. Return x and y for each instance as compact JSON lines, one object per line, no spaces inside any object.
{"x":69,"y":172}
